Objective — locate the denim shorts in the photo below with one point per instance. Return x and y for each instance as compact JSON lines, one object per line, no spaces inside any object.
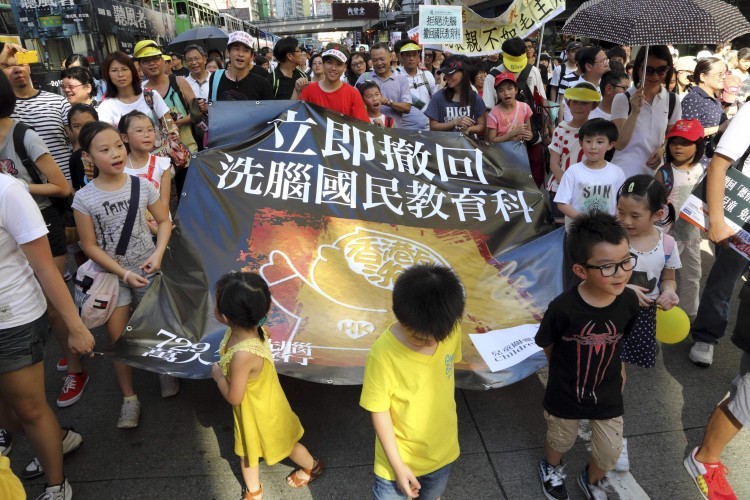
{"x":23,"y":345}
{"x":432,"y":486}
{"x":739,"y":395}
{"x":127,"y":295}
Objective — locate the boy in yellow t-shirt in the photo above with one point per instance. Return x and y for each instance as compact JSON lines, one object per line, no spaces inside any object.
{"x":409,"y":385}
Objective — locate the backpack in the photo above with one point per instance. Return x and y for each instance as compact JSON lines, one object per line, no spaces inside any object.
{"x":525,"y":94}
{"x":96,"y":292}
{"x":62,"y":204}
{"x":215,"y":79}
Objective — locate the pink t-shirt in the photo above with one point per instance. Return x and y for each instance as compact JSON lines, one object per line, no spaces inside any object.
{"x":565,"y":143}
{"x":503,"y":121}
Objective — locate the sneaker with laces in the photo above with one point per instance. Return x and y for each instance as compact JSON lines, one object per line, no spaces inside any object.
{"x":72,"y":389}
{"x":596,"y":491}
{"x":71,"y":442}
{"x":58,"y":492}
{"x":623,"y":461}
{"x":62,"y":365}
{"x":6,"y":442}
{"x":170,"y":385}
{"x":129,"y":414}
{"x":702,"y":354}
{"x":710,"y":478}
{"x":553,"y":480}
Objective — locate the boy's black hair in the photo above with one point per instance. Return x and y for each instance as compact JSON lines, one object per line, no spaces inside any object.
{"x":617,"y":51}
{"x":7,"y":97}
{"x":587,"y":55}
{"x":244,"y":299}
{"x":649,"y":191}
{"x":598,"y":126}
{"x":612,"y":78}
{"x":82,"y":108}
{"x":700,"y":149}
{"x":367,"y":85}
{"x":283,"y":47}
{"x":514,"y":47}
{"x":429,"y":299}
{"x":590,"y":229}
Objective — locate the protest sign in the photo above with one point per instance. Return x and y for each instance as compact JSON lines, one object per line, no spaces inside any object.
{"x":440,"y":24}
{"x":330,"y":210}
{"x":483,"y":37}
{"x":504,"y":348}
{"x":736,"y":209}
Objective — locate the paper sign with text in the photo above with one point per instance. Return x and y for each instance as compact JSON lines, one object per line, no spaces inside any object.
{"x":504,"y":348}
{"x":440,"y":24}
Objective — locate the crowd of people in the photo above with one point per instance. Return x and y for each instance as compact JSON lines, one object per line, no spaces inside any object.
{"x":617,"y":144}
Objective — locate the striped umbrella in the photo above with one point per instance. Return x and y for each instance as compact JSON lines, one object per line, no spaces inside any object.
{"x":658,"y":22}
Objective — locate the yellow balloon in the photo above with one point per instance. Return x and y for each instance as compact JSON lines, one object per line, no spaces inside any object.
{"x":672,"y":326}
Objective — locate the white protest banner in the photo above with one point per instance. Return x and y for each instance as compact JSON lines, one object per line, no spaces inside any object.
{"x":440,"y":24}
{"x":504,"y":348}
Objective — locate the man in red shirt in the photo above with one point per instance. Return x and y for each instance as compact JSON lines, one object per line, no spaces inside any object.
{"x":332,"y":92}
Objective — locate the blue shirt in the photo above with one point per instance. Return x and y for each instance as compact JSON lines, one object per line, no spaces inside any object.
{"x":701,"y":106}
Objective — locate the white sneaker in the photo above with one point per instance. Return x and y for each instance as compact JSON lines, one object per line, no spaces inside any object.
{"x":71,"y":442}
{"x":129,"y":414}
{"x":623,"y":461}
{"x":170,"y":385}
{"x":59,"y":492}
{"x":702,"y":354}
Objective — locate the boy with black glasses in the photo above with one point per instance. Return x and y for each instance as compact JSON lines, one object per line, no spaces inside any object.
{"x":581,"y":334}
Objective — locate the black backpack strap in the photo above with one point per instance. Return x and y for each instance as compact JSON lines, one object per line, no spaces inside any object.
{"x":127,"y":228}
{"x":174,"y":86}
{"x":19,"y":132}
{"x":630,"y":106}
{"x":522,"y":80}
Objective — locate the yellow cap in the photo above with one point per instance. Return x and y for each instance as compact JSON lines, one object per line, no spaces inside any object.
{"x":515,"y":64}
{"x":582,"y":94}
{"x":410,"y":47}
{"x":146,"y":48}
{"x":166,"y":57}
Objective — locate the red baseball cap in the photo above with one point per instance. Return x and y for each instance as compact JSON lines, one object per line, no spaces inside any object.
{"x":692,"y":130}
{"x":502,"y":77}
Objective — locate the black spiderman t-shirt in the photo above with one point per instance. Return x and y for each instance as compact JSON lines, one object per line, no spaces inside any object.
{"x":585,"y":380}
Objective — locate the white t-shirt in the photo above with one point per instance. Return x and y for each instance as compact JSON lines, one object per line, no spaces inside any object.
{"x":21,"y":222}
{"x":418,"y":86}
{"x":588,"y":189}
{"x":200,"y":89}
{"x":649,"y":132}
{"x":161,"y":165}
{"x":112,"y":109}
{"x":599,"y":113}
{"x":651,"y":263}
{"x":534,"y":81}
{"x":736,"y":139}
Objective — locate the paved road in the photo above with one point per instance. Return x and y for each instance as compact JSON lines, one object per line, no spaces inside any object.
{"x":183,"y":447}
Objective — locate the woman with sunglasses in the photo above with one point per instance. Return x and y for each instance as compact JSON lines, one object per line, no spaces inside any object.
{"x":644,"y":116}
{"x":701,"y":102}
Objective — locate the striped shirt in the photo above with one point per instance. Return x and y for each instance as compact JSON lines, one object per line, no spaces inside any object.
{"x":47,"y":113}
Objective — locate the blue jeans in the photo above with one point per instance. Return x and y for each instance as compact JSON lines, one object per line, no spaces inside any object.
{"x":432,"y":486}
{"x":713,"y":312}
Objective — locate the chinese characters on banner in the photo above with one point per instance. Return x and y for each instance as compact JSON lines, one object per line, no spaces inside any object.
{"x":440,"y":24}
{"x":482,"y":37}
{"x":736,"y":209}
{"x":329,"y":211}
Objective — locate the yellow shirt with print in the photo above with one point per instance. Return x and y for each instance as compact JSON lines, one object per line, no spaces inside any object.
{"x":419,"y":391}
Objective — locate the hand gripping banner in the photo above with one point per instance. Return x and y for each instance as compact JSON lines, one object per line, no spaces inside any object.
{"x":329,"y":210}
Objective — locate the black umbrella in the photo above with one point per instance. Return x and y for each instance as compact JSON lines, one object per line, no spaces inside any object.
{"x":658,"y":22}
{"x":208,"y":37}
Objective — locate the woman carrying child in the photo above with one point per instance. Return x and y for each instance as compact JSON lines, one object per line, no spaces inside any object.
{"x":264,"y":423}
{"x":136,"y":265}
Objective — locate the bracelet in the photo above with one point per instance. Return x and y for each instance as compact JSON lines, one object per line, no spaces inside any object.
{"x":125,"y":277}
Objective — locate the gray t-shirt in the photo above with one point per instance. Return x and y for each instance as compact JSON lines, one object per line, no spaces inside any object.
{"x":108,"y":210}
{"x":10,"y":163}
{"x":442,"y":110}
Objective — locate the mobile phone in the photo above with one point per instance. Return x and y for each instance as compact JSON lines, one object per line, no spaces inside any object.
{"x":29,"y":57}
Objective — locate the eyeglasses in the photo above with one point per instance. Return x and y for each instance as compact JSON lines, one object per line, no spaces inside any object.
{"x":65,"y":88}
{"x":623,"y":87}
{"x":723,"y":74}
{"x":360,"y":63}
{"x":602,"y":61}
{"x":144,"y":131}
{"x":190,"y":60}
{"x":609,"y":270}
{"x":661,"y":70}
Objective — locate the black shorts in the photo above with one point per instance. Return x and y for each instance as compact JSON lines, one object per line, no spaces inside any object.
{"x":56,"y":228}
{"x":23,"y":345}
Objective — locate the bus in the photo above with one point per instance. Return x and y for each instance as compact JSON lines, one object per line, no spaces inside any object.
{"x":192,"y":14}
{"x":230,"y":23}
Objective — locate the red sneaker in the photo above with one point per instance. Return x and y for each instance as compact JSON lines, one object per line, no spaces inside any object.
{"x":710,"y":478}
{"x":62,"y":365}
{"x":73,"y":388}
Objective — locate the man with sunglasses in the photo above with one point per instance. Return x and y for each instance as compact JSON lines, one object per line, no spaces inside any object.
{"x":287,"y":79}
{"x":421,"y":83}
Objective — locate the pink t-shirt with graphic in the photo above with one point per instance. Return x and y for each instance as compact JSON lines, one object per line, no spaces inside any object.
{"x":565,"y":143}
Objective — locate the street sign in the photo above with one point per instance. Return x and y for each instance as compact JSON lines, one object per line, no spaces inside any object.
{"x":356,"y":10}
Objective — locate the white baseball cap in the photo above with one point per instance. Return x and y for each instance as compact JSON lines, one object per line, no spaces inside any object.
{"x":240,"y":37}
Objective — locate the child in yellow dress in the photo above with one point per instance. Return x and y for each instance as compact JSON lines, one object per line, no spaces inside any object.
{"x":264,"y":423}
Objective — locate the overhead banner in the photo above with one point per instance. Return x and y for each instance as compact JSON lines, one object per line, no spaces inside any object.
{"x":330,"y":210}
{"x":483,"y":37}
